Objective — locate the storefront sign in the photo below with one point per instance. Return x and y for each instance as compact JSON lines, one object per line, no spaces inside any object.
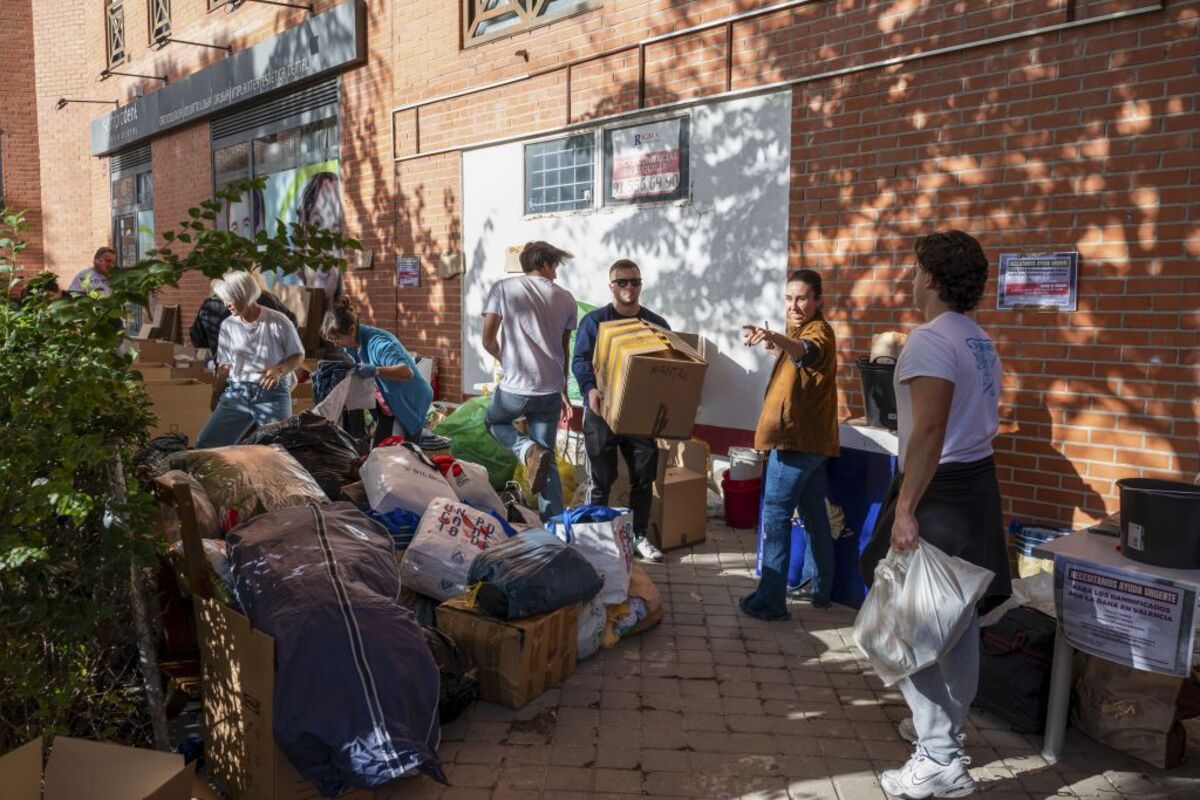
{"x":322,"y":44}
{"x":1039,"y":281}
{"x":1126,"y":617}
{"x":647,"y":162}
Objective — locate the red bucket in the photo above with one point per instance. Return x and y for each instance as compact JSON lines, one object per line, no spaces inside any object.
{"x":741,"y":501}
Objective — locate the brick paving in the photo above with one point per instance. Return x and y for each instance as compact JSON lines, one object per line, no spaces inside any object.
{"x":714,"y":704}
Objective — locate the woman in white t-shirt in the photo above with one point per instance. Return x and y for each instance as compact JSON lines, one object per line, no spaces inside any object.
{"x":257,"y":351}
{"x":946,"y":493}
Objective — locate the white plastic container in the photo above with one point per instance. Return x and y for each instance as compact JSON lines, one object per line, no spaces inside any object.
{"x":745,"y":464}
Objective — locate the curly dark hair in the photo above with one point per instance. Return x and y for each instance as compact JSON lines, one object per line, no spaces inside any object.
{"x":958,"y":266}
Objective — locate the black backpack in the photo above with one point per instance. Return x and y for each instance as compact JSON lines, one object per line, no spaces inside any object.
{"x":1014,"y":668}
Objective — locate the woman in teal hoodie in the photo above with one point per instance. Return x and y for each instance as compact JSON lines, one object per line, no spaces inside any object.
{"x":381,"y":356}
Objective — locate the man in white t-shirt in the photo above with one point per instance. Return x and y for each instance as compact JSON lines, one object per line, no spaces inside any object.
{"x":947,"y":390}
{"x":533,"y":318}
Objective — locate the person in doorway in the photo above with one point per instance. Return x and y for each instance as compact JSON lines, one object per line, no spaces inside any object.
{"x":946,"y":493}
{"x":381,"y":356}
{"x":95,"y":277}
{"x":600,"y":443}
{"x":527,"y":324}
{"x":257,"y":351}
{"x":798,"y":427}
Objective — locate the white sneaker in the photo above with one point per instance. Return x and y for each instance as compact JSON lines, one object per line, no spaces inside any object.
{"x":923,"y":777}
{"x":907,"y":730}
{"x":647,"y":551}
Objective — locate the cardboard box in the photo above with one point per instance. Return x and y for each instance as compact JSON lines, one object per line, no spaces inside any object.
{"x":238,"y":691}
{"x":79,"y":769}
{"x":679,"y":515}
{"x":154,"y":372}
{"x":691,"y":454}
{"x":153,"y":351}
{"x":182,"y":406}
{"x":519,"y":658}
{"x":302,"y":397}
{"x":651,"y":378}
{"x":309,"y":307}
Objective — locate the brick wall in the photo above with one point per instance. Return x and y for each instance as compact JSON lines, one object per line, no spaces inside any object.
{"x":19,"y":156}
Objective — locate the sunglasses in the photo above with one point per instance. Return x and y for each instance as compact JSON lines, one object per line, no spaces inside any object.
{"x":623,"y":282}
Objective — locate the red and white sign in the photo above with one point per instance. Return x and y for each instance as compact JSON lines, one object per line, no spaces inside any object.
{"x":646,"y":160}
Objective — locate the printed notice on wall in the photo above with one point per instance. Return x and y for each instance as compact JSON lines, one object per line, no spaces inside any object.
{"x":647,"y":162}
{"x":1126,"y":617}
{"x":408,"y":271}
{"x":1047,"y":281}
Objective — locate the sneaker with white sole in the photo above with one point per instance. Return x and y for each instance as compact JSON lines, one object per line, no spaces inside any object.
{"x":647,"y":551}
{"x":922,"y":777}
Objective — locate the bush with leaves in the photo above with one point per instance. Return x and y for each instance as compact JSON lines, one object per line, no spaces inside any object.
{"x":75,"y":523}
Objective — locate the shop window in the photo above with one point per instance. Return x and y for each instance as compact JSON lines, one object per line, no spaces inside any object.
{"x":132,"y":192}
{"x":487,"y":19}
{"x":159,"y":14}
{"x":114,"y":24}
{"x":560,"y":174}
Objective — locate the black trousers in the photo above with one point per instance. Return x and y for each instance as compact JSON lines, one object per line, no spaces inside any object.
{"x":641,"y":456}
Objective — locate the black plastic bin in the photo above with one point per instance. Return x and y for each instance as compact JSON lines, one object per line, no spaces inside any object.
{"x":879,"y":394}
{"x":1160,"y":522}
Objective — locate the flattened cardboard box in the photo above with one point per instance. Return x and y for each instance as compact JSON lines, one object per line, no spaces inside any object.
{"x":238,"y":690}
{"x":651,"y":380}
{"x":518,"y":659}
{"x":181,"y":406}
{"x":679,"y":514}
{"x":78,"y":769}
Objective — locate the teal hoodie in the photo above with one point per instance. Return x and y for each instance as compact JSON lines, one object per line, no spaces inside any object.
{"x":408,"y":400}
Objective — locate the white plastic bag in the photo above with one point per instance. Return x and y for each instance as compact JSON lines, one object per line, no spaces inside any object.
{"x":350,"y":394}
{"x":919,"y":605}
{"x":446,"y":542}
{"x":402,"y":476}
{"x":606,"y":543}
{"x":589,"y":628}
{"x":471,"y":483}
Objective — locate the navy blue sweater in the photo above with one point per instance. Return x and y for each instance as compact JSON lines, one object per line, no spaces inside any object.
{"x":585,"y":342}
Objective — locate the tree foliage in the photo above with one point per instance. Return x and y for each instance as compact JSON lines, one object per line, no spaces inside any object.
{"x":75,"y":522}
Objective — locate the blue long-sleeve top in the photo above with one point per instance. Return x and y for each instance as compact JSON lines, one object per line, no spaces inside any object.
{"x":408,"y":400}
{"x":585,"y":342}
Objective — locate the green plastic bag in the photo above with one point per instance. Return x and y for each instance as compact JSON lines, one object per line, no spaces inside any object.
{"x":572,"y":385}
{"x":470,"y":441}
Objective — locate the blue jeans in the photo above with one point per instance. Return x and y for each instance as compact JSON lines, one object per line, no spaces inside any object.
{"x":794,"y":479}
{"x":242,"y":405}
{"x":541,"y":412}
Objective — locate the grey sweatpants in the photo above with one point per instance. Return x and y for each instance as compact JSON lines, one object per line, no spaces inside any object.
{"x":940,"y":696}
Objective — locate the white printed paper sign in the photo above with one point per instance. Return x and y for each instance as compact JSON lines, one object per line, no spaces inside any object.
{"x":1126,"y":617}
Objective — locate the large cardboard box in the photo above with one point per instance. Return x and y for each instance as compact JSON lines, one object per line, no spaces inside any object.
{"x":153,"y":351}
{"x":690,"y":454}
{"x":79,"y":769}
{"x":302,"y":397}
{"x":679,"y":515}
{"x":518,"y":658}
{"x":238,"y":690}
{"x":651,"y":379}
{"x":309,"y":307}
{"x":182,"y":406}
{"x":154,"y":372}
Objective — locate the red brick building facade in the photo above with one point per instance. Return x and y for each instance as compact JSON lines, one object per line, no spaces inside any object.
{"x":1038,"y":125}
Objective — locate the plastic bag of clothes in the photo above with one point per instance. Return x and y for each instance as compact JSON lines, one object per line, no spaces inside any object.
{"x":640,"y":612}
{"x":350,"y":394}
{"x":471,"y":483}
{"x":530,"y":574}
{"x":449,"y":537}
{"x":589,"y":629}
{"x":249,"y":479}
{"x":604,"y":536}
{"x":403,"y":477}
{"x":154,"y":459}
{"x":919,"y":605}
{"x":470,"y":441}
{"x":322,"y":581}
{"x":321,"y":447}
{"x":400,"y":524}
{"x":458,"y":671}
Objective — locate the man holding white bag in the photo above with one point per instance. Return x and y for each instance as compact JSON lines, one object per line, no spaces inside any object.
{"x":947,"y":392}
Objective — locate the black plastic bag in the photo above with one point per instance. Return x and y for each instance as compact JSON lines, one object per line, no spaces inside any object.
{"x":320,"y":445}
{"x":459,"y":674}
{"x":531,"y":573}
{"x":154,"y":459}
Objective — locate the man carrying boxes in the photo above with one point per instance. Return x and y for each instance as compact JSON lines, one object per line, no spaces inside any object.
{"x":601,"y":444}
{"x":798,"y":425}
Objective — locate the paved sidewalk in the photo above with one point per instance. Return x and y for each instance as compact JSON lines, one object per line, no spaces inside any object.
{"x":714,"y":704}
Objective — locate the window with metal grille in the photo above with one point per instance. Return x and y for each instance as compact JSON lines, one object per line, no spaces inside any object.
{"x":487,"y":19}
{"x":159,"y":14}
{"x":560,"y":174}
{"x":114,"y":23}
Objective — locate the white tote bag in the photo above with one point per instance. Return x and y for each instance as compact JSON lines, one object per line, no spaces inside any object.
{"x":402,"y":476}
{"x":447,"y":540}
{"x":604,"y":536}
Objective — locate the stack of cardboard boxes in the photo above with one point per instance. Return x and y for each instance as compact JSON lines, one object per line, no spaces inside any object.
{"x":178,"y":385}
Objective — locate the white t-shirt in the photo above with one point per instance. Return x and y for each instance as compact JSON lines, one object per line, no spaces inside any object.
{"x":954,"y":348}
{"x":534,"y":311}
{"x":251,"y":347}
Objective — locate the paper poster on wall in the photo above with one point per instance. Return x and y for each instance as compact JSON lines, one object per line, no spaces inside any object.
{"x":1126,"y":617}
{"x":1048,"y":281}
{"x":408,"y":271}
{"x":646,"y":162}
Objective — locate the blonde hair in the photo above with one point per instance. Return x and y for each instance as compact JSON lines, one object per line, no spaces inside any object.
{"x":238,"y":289}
